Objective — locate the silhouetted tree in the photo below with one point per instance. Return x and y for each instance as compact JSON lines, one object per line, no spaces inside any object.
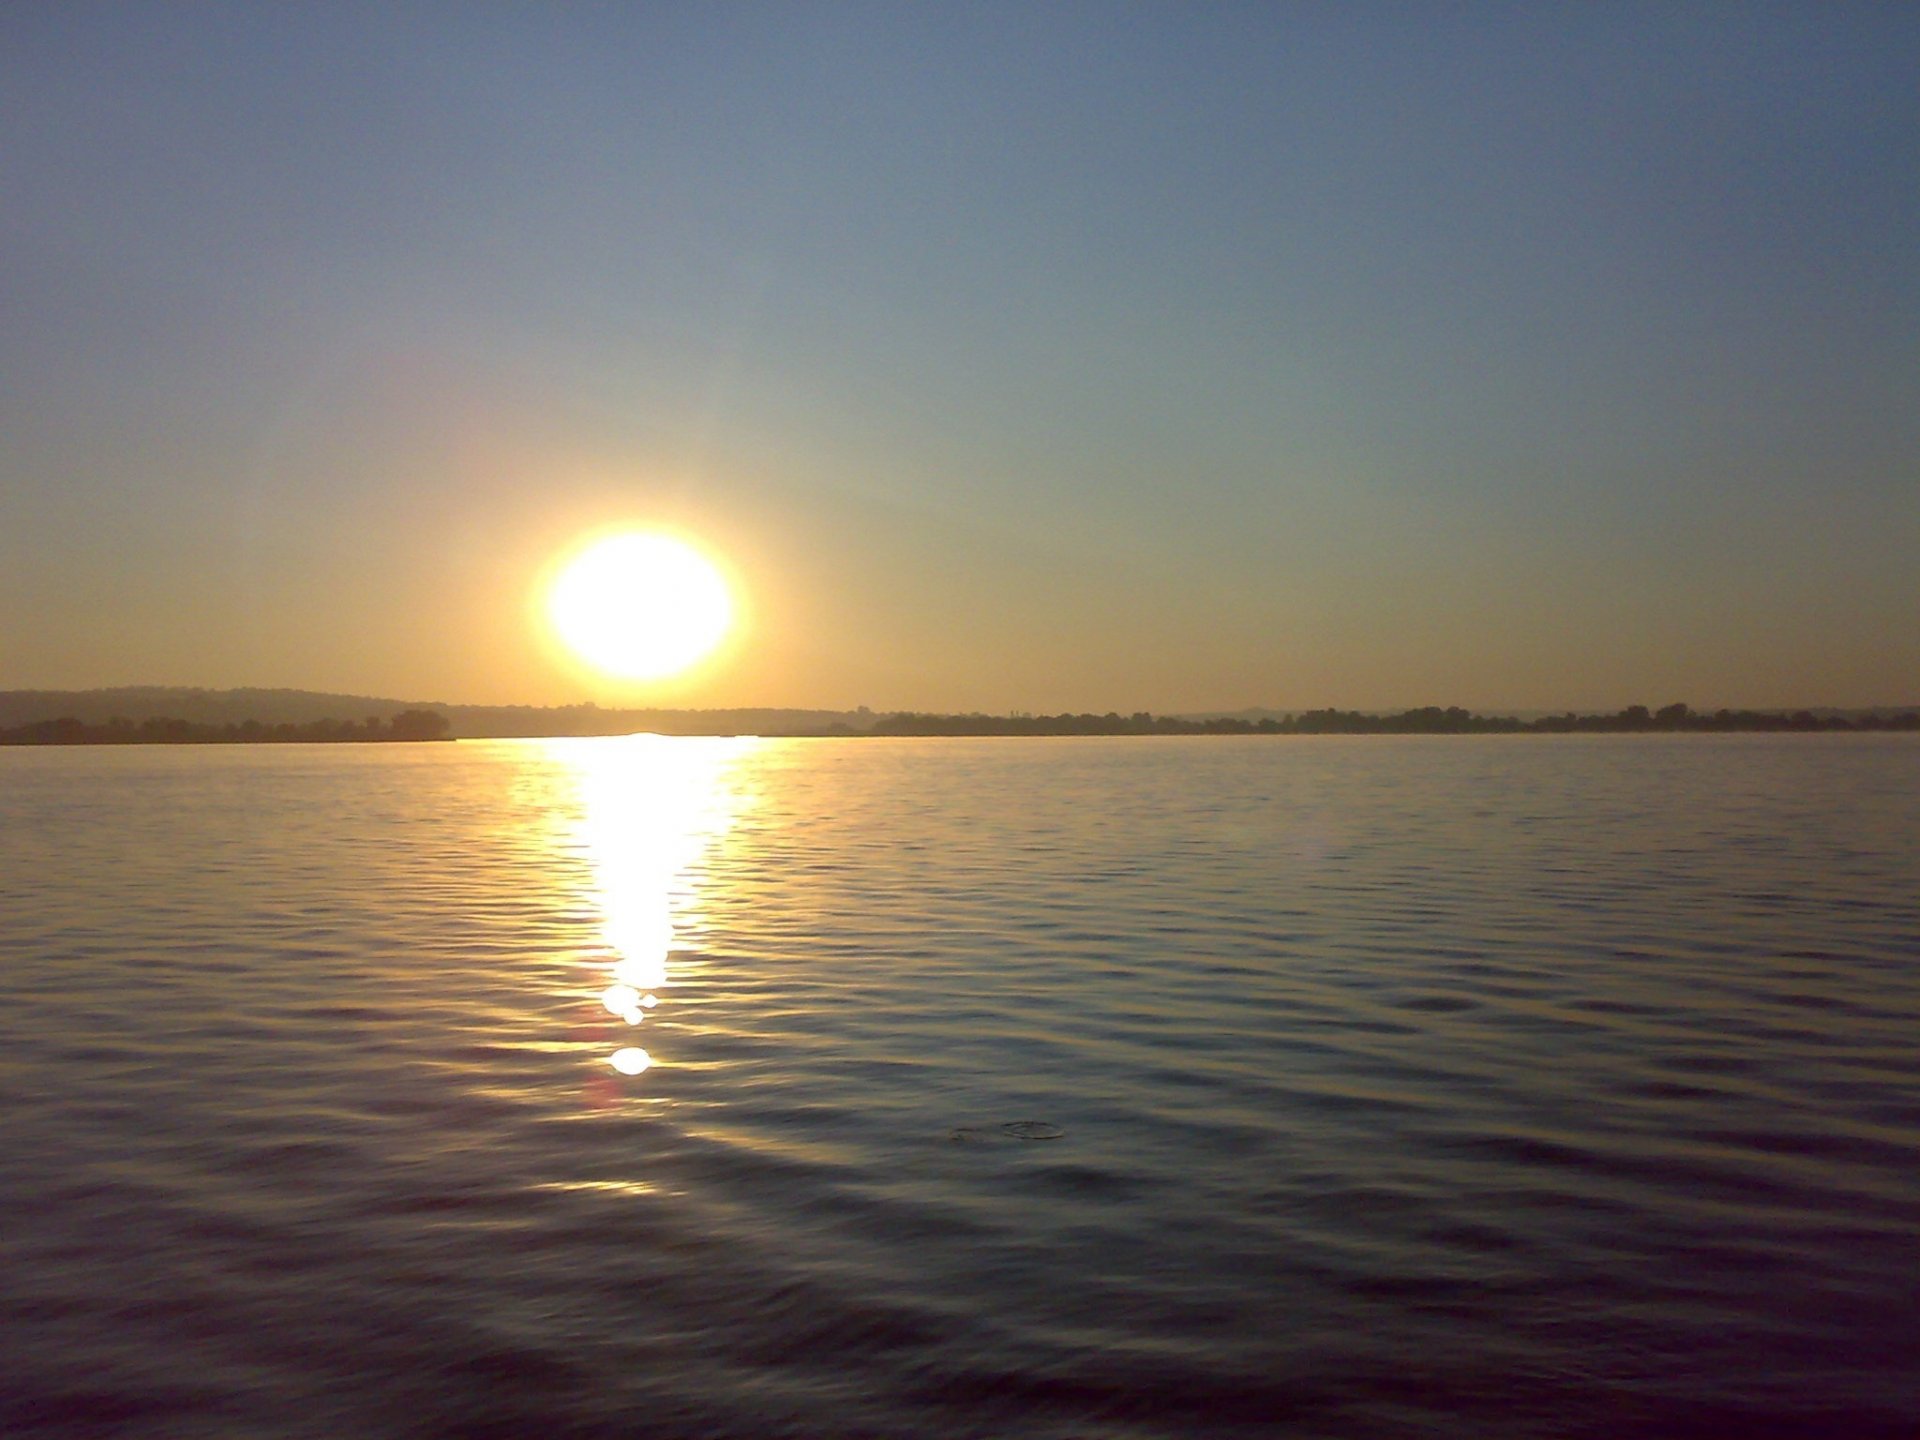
{"x":420,"y":725}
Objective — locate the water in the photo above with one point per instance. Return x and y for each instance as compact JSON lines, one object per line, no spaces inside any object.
{"x":1375,"y":1087}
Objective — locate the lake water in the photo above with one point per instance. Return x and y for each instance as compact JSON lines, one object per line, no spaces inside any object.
{"x":1384,"y":1087}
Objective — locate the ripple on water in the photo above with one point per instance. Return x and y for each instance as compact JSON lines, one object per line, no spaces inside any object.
{"x":1148,"y":1089}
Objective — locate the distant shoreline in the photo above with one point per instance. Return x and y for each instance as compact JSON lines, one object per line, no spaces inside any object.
{"x":408,"y":727}
{"x":1427,"y":720}
{"x":429,"y":725}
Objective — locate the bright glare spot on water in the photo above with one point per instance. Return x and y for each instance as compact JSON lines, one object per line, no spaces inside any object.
{"x":630,"y":1061}
{"x":636,"y":972}
{"x":648,"y":810}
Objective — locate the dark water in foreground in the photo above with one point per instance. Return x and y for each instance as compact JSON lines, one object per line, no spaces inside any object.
{"x":1402,"y":1087}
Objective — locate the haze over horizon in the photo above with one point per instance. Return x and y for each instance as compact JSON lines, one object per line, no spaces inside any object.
{"x":1062,"y":359}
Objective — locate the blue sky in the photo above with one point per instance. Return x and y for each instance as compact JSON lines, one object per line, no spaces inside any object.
{"x":1052,"y":357}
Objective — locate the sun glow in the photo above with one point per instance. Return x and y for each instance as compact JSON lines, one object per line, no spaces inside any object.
{"x":640,"y":605}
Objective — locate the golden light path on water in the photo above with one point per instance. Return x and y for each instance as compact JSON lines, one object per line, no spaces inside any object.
{"x":650,"y":808}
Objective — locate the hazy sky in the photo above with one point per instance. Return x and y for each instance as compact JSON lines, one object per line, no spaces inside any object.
{"x":1015,"y":356}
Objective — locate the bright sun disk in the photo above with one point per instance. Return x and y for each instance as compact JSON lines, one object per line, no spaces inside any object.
{"x":640,"y":606}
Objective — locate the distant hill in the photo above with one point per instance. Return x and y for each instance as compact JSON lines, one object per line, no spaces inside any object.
{"x":303,"y":707}
{"x":201,"y":707}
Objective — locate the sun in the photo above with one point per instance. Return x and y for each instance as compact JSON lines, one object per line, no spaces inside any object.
{"x":640,"y":605}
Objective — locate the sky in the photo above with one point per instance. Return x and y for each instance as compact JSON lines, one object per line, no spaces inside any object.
{"x":1010,"y":357}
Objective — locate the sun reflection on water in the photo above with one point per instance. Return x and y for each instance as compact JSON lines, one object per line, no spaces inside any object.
{"x":650,"y":808}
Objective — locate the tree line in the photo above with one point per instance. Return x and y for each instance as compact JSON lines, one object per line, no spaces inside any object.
{"x":420,"y":724}
{"x":160,"y":730}
{"x":1426,"y":720}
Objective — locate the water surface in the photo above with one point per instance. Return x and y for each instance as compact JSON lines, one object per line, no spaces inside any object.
{"x":1382,"y":1086}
